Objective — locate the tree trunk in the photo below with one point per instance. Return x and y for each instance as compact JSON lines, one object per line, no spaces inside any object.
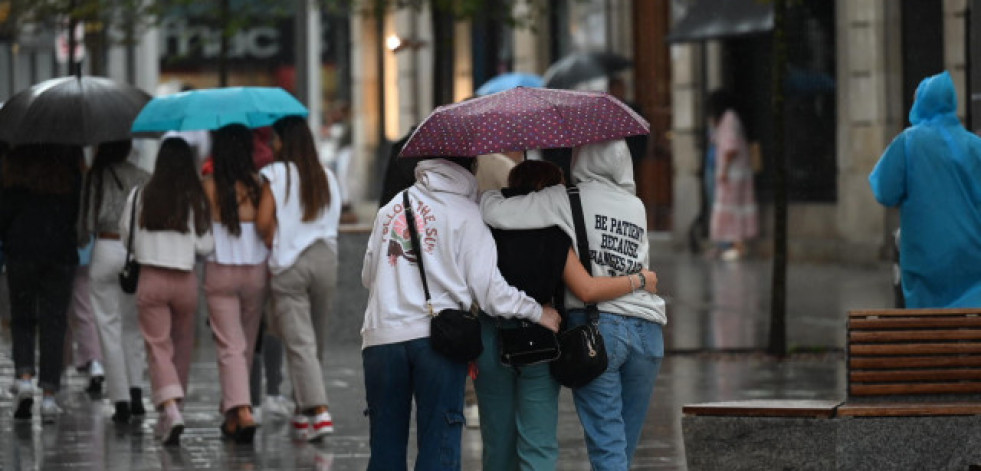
{"x":778,"y":293}
{"x":223,"y":21}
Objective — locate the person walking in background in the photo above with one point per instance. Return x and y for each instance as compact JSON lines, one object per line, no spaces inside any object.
{"x":400,"y":364}
{"x":932,"y":172}
{"x":734,"y":218}
{"x":83,"y":334}
{"x":41,"y":187}
{"x":173,"y":225}
{"x":613,"y":406}
{"x":520,"y":405}
{"x":235,"y":274}
{"x":298,"y":217}
{"x":111,"y":178}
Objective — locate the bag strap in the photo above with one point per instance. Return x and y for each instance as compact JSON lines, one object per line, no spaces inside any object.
{"x":132,"y":223}
{"x":410,"y":220}
{"x":582,"y":243}
{"x":115,"y":177}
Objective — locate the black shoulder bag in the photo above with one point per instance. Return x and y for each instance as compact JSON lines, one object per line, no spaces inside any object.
{"x":454,"y":333}
{"x":583,"y":356}
{"x":129,"y":276}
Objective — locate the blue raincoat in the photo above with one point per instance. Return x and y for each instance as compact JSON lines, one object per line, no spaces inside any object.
{"x":932,"y":171}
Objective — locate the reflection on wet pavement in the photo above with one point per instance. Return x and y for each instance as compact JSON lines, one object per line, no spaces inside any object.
{"x":718,"y":324}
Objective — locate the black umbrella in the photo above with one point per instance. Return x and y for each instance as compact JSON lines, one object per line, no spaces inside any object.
{"x":580,"y":67}
{"x":71,"y":110}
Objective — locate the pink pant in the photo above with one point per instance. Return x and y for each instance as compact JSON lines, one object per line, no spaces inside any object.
{"x":81,"y":324}
{"x":167,"y":300}
{"x":236,"y":294}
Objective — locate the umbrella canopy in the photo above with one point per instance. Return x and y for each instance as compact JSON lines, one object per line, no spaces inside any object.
{"x":522,"y":119}
{"x":212,"y":108}
{"x":508,"y":81}
{"x":72,"y":111}
{"x":580,"y":67}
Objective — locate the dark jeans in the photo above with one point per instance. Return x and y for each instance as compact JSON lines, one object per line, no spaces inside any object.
{"x":396,"y":373}
{"x":39,"y":296}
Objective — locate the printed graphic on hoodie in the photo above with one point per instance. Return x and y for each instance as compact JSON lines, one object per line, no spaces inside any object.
{"x":399,"y":238}
{"x":618,"y":249}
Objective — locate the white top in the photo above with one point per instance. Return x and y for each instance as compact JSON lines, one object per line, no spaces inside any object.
{"x":246,"y":249}
{"x":460,"y":259}
{"x":293,"y":236}
{"x":165,"y":249}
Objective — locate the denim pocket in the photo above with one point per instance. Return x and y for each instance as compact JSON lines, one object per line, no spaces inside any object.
{"x":449,"y":453}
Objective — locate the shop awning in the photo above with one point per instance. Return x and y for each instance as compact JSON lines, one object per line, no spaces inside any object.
{"x":715,"y":19}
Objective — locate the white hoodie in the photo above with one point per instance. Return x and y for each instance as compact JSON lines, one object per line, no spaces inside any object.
{"x":459,"y":253}
{"x":615,"y":219}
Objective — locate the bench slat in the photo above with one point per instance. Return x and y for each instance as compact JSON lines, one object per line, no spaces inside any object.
{"x":913,"y":362}
{"x":913,"y":335}
{"x":859,"y":313}
{"x":907,"y":409}
{"x":897,"y":376}
{"x":915,"y":349}
{"x":764,"y":408}
{"x":913,"y":388}
{"x":913,"y":322}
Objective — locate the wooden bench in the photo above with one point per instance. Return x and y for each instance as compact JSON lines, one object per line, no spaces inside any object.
{"x":913,"y":401}
{"x":913,"y":362}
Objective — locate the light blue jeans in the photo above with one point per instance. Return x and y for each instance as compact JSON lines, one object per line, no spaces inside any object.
{"x":519,"y":410}
{"x":613,"y":407}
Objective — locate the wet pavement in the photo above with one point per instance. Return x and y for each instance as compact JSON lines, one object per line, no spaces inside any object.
{"x":718,"y":326}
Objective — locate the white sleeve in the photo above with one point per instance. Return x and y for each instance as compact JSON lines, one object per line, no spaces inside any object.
{"x":368,"y":266}
{"x":491,"y":291}
{"x":548,"y":207}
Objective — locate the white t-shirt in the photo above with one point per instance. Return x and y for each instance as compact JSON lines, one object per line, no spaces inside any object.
{"x":289,"y":216}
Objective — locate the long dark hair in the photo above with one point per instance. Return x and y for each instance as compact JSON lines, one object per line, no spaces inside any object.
{"x":53,"y":169}
{"x":231,"y":150}
{"x":174,"y":191}
{"x":298,"y":147}
{"x":109,"y":153}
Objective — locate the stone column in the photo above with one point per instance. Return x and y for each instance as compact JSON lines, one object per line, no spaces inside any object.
{"x":686,"y":100}
{"x":869,"y":116}
{"x":955,"y":52}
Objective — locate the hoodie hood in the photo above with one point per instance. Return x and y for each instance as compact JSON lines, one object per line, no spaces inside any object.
{"x":605,"y":162}
{"x":935,"y":98}
{"x":441,"y":175}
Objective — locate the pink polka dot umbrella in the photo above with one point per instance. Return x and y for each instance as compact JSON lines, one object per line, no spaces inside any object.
{"x":523,"y":119}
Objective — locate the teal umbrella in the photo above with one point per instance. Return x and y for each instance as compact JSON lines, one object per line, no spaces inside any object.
{"x":212,"y":108}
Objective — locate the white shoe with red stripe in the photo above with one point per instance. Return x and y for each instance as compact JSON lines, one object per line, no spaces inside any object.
{"x":301,"y":426}
{"x":322,"y":424}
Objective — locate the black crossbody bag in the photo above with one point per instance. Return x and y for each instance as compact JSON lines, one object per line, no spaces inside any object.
{"x":454,"y":333}
{"x":583,"y":356}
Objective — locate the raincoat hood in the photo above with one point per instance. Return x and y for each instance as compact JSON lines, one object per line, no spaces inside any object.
{"x":935,"y":98}
{"x":605,"y":162}
{"x":441,"y":175}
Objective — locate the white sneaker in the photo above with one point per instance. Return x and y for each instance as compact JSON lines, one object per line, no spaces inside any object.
{"x":277,"y":406}
{"x":301,"y":426}
{"x":49,"y":410}
{"x":322,"y":424}
{"x":472,"y":416}
{"x":23,"y":390}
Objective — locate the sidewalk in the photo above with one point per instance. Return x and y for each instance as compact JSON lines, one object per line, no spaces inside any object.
{"x":718,"y":325}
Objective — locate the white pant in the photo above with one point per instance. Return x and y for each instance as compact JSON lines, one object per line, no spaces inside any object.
{"x":123,"y":348}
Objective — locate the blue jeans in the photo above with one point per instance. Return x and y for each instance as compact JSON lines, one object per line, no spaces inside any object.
{"x":613,"y":407}
{"x":519,"y":410}
{"x":396,"y":373}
